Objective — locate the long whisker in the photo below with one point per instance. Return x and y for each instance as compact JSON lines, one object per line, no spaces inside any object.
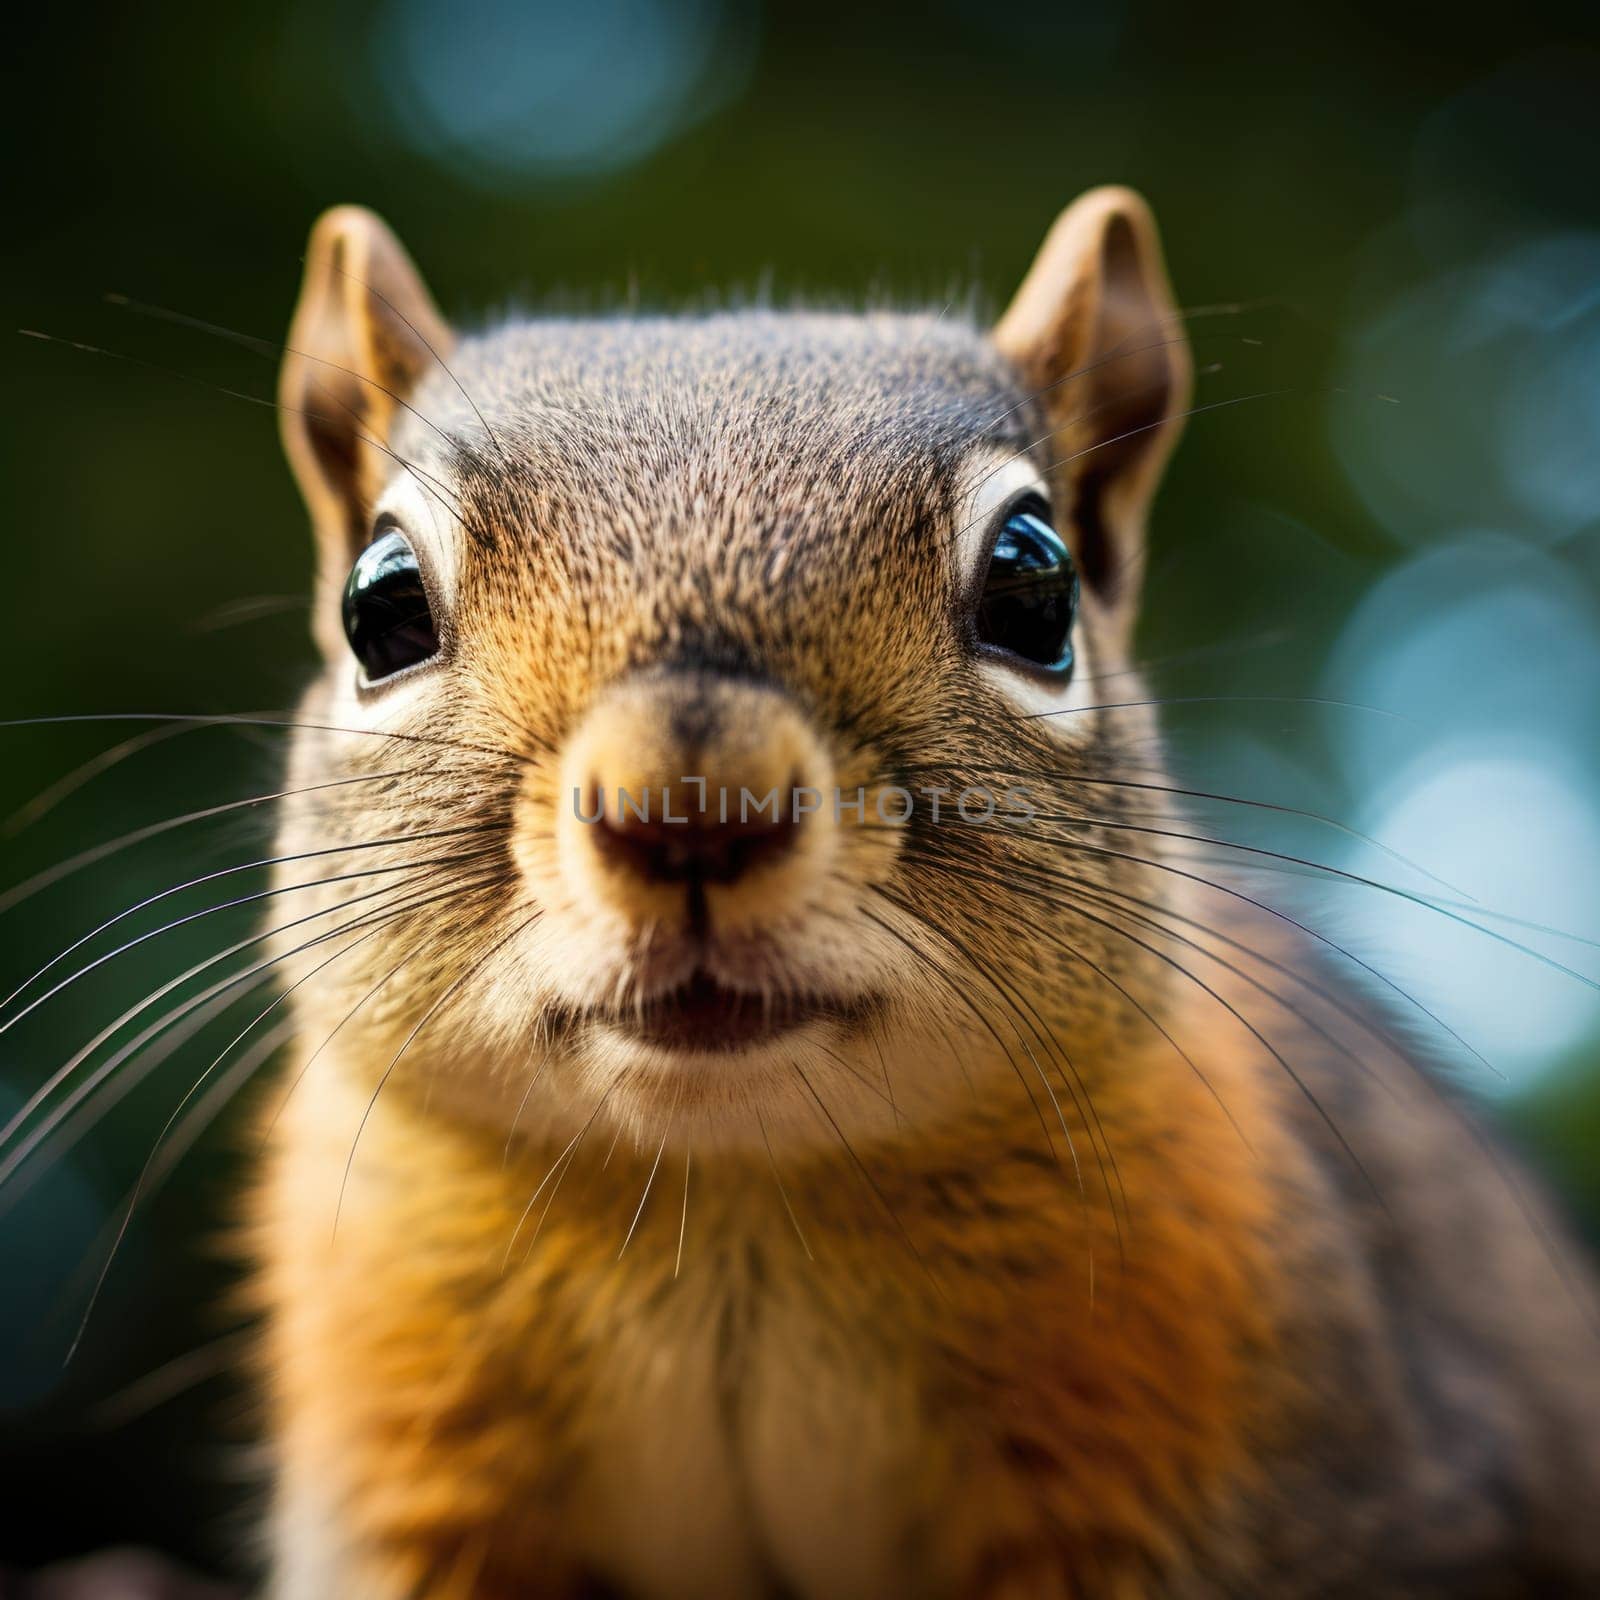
{"x":1165,"y":421}
{"x":255,"y":608}
{"x":1424,"y":901}
{"x":888,"y":1086}
{"x":433,"y":1010}
{"x":180,"y":1025}
{"x":62,"y":1074}
{"x":199,"y":1010}
{"x":851,"y":1072}
{"x":271,"y":350}
{"x":1164,"y":701}
{"x":1278,"y":809}
{"x":429,"y":483}
{"x":1284,"y":917}
{"x":240,"y":900}
{"x":225,"y":1353}
{"x":151,"y":1180}
{"x":1456,"y":1112}
{"x":154,"y":1174}
{"x":50,"y":797}
{"x":646,"y":1195}
{"x":1313,"y":871}
{"x":1132,"y":1000}
{"x":867,"y":1177}
{"x":1066,"y":424}
{"x":230,"y":720}
{"x":153,"y":830}
{"x":251,"y":1061}
{"x":1277,"y":1055}
{"x":449,"y":371}
{"x":1210,"y":652}
{"x":683,"y":1220}
{"x":1041,"y":887}
{"x":1071,"y":1079}
{"x":331,"y":1035}
{"x":1156,"y":863}
{"x":522,"y":1105}
{"x":1121,"y":351}
{"x":1159,"y":918}
{"x":783,"y":1193}
{"x":953,"y":987}
{"x":280,"y":999}
{"x":1057,"y":462}
{"x":213,"y":877}
{"x":560,"y":1164}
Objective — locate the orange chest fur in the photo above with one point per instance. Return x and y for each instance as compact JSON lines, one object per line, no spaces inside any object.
{"x":961,"y":1365}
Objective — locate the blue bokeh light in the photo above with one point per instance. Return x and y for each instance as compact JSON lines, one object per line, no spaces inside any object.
{"x":1496,"y":366}
{"x":546,"y":91}
{"x":1492,"y":653}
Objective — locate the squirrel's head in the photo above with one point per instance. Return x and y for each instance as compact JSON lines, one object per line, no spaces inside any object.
{"x":708,"y":698}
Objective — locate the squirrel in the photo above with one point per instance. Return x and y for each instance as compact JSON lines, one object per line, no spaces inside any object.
{"x":784,"y":1116}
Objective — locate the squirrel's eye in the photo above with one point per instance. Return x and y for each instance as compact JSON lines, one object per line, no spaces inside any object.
{"x":386,"y":615}
{"x":1030,"y":594}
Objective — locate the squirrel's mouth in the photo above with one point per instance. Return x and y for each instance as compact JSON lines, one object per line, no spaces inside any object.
{"x":704,"y":1015}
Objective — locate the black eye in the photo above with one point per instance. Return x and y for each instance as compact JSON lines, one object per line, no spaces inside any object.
{"x":1030,"y":594}
{"x":386,"y":614}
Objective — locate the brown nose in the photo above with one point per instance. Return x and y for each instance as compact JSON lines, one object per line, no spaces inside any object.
{"x":689,"y":799}
{"x":717,"y":843}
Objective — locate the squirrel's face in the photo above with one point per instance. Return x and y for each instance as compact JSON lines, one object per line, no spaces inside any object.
{"x":707,"y":693}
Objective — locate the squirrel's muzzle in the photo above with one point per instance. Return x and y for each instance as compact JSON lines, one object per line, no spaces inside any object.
{"x":690,"y":798}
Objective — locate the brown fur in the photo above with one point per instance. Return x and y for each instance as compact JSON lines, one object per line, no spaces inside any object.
{"x":1044,"y":1273}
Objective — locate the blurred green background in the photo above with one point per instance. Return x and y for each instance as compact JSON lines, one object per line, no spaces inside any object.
{"x":1402,"y":211}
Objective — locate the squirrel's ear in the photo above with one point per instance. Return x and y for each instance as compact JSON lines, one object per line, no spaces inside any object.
{"x":364,"y":332}
{"x":1095,"y":335}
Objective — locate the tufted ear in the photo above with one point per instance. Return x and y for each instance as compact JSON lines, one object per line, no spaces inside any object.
{"x":364,"y":333}
{"x":1094,"y":332}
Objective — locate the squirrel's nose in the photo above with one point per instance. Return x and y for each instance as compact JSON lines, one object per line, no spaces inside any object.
{"x":695,"y":836}
{"x":689,"y":798}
